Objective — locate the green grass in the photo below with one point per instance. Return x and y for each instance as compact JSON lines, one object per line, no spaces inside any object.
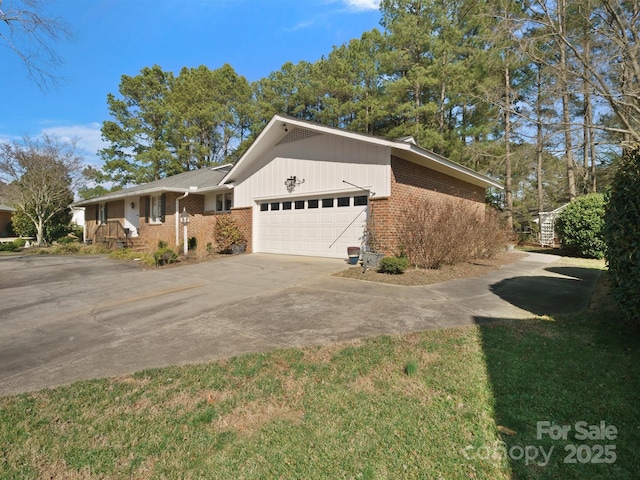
{"x":347,"y":410}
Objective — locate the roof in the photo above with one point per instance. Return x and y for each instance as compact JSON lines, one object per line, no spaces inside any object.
{"x":216,"y":178}
{"x":404,"y":147}
{"x":4,"y":208}
{"x":200,"y":181}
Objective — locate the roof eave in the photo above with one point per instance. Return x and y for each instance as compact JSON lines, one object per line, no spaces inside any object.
{"x":460,"y":171}
{"x":124,"y":194}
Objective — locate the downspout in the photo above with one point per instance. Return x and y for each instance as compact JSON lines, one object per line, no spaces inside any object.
{"x":186,"y":194}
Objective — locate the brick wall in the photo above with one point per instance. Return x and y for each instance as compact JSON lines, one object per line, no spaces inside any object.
{"x":412,"y":183}
{"x":201,"y":224}
{"x":244,"y":219}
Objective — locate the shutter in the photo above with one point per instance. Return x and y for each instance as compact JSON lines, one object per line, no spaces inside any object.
{"x":147,"y":206}
{"x":163,"y":201}
{"x":97,"y":213}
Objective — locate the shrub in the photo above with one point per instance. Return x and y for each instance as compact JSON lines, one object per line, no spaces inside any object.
{"x":164,"y":256}
{"x":622,"y":234}
{"x":227,"y":233}
{"x":435,"y":233}
{"x":8,"y":247}
{"x":66,"y":240}
{"x":393,"y":265}
{"x":192,"y":243}
{"x":580,"y":226}
{"x":20,"y":242}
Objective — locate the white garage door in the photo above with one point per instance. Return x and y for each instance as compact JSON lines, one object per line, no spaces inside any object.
{"x":320,"y":227}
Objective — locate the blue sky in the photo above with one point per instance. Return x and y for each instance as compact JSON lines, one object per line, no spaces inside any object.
{"x":116,"y":37}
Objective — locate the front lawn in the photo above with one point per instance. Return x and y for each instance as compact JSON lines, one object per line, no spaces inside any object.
{"x":351,"y":410}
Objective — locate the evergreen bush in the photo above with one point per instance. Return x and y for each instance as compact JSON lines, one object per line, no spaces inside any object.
{"x":580,"y":226}
{"x":9,"y":247}
{"x":622,"y":234}
{"x":393,"y":265}
{"x":164,"y":256}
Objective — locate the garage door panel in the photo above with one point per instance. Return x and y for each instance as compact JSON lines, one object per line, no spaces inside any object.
{"x":325,"y":231}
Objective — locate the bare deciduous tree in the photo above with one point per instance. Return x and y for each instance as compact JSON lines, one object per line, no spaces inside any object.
{"x":613,"y":73}
{"x":41,"y":177}
{"x":30,"y":35}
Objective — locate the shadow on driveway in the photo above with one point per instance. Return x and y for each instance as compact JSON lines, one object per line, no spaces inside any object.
{"x":569,"y":290}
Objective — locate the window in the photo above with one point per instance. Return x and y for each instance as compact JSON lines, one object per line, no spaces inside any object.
{"x":156,"y":213}
{"x":275,"y":206}
{"x":102,"y":214}
{"x":286,"y":205}
{"x":299,"y":204}
{"x":360,"y":200}
{"x":264,"y":207}
{"x":327,"y":202}
{"x":343,"y":201}
{"x":224,"y":202}
{"x":312,"y":203}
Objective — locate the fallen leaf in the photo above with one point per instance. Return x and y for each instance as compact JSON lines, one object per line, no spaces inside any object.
{"x":506,"y":430}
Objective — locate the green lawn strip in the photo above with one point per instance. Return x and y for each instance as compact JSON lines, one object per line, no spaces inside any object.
{"x":579,"y":368}
{"x":345,"y":410}
{"x":337,"y":411}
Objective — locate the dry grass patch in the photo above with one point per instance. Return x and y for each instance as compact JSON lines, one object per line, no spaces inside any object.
{"x":324,"y":353}
{"x":249,"y":418}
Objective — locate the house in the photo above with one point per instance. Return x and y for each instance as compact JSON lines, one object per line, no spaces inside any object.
{"x":301,"y":188}
{"x":5,"y":219}
{"x":77,"y":219}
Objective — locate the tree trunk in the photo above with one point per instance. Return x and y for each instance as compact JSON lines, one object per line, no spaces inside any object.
{"x":566,"y":112}
{"x":39,"y":232}
{"x":539,"y":141}
{"x":589,"y":161}
{"x":507,"y":140}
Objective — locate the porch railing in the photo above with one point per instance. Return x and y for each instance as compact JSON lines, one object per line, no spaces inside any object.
{"x":112,"y":234}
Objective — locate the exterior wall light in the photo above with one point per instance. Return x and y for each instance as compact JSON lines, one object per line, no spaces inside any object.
{"x":292,"y":182}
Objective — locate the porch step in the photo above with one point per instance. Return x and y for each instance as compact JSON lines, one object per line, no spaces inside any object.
{"x":137,"y":245}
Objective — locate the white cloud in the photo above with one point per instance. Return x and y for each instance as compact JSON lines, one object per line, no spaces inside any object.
{"x":88,"y":139}
{"x":301,"y":25}
{"x":362,"y":5}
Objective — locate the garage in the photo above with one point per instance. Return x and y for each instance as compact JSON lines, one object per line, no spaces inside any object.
{"x":320,"y":226}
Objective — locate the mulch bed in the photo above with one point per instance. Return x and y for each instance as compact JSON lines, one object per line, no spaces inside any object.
{"x":420,"y":276}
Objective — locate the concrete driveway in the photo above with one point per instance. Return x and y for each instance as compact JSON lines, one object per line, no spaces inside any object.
{"x":64,"y":319}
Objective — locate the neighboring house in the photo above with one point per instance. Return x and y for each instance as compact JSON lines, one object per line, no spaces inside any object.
{"x":301,"y":188}
{"x":5,"y":219}
{"x":77,"y":219}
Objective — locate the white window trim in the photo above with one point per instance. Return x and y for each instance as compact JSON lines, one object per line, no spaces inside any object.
{"x":102,"y":219}
{"x":155,"y":220}
{"x":224,"y":198}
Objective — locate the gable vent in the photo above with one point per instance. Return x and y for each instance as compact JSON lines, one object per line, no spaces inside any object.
{"x":297,"y":134}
